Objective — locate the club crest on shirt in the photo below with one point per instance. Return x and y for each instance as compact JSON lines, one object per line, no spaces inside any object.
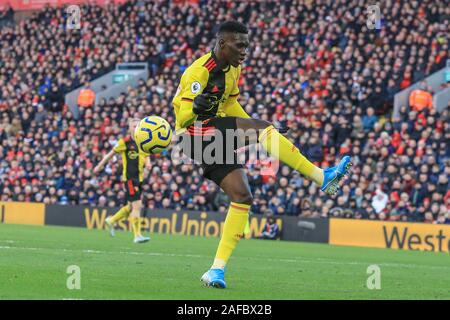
{"x":196,"y":87}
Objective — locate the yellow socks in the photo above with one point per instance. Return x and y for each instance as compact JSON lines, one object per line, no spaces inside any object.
{"x":233,"y":231}
{"x":247,"y":228}
{"x":278,"y":146}
{"x":123,"y":213}
{"x":136,"y":225}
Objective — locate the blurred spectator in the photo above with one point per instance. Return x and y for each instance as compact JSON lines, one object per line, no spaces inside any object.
{"x":379,"y":201}
{"x":443,"y":219}
{"x":6,"y":16}
{"x":369,"y":120}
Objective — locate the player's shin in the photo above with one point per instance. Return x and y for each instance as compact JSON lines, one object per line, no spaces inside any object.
{"x":233,"y":231}
{"x":136,"y":225}
{"x":278,"y":146}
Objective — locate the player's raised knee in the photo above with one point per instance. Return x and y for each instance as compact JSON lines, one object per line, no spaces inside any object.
{"x":242,"y":197}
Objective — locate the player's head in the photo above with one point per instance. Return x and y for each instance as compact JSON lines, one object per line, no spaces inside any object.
{"x":232,"y":43}
{"x":132,"y":124}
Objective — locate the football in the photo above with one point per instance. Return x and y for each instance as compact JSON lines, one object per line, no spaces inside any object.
{"x":153,"y":134}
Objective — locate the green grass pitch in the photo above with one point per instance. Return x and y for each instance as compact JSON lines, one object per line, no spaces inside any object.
{"x":34,"y":262}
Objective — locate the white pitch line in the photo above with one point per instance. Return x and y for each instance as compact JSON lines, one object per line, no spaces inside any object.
{"x":7,"y":241}
{"x":300,"y":260}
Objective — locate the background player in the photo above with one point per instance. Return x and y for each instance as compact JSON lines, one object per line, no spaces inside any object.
{"x":206,"y":101}
{"x":133,"y":163}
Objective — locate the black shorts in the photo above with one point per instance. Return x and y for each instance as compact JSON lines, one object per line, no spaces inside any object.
{"x":132,"y":190}
{"x":197,"y":139}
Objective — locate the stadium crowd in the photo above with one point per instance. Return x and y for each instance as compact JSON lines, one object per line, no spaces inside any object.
{"x":313,"y":66}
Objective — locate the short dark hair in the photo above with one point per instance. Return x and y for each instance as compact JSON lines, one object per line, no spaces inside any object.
{"x":232,"y":26}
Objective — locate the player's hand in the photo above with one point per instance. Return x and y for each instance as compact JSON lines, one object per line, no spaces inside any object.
{"x":202,"y":104}
{"x":97,"y":169}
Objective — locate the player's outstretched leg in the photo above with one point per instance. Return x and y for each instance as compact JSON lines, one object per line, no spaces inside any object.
{"x":123,"y":213}
{"x":235,"y":185}
{"x":280,"y":147}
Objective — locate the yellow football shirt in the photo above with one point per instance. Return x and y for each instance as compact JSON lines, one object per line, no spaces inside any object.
{"x":133,"y":160}
{"x":205,"y":76}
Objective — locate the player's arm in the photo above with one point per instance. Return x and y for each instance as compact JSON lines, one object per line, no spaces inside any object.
{"x":193,"y":83}
{"x":104,"y":161}
{"x":119,"y":147}
{"x":186,"y":115}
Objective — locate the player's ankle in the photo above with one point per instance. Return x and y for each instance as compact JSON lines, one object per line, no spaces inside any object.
{"x":218,"y":264}
{"x":317,"y":176}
